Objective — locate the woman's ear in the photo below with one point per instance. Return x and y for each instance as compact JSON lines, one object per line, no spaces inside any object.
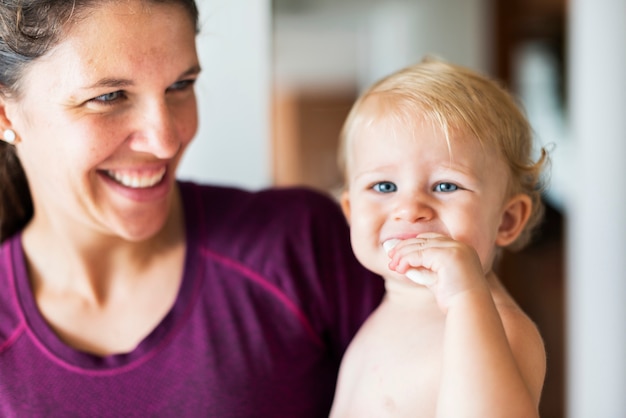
{"x":7,"y":134}
{"x":345,"y":204}
{"x":4,"y":120}
{"x":514,"y":218}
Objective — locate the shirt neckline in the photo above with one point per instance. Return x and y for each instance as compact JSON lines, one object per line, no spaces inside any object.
{"x":48,"y":342}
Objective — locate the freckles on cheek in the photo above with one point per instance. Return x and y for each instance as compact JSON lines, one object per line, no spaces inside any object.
{"x":186,"y":119}
{"x":189,"y":133}
{"x":92,"y":144}
{"x":190,"y":126}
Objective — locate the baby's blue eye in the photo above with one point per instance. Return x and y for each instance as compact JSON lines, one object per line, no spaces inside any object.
{"x":446,"y":187}
{"x":385,"y":187}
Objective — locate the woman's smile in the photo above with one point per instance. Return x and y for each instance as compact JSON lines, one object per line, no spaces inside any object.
{"x":137,"y":179}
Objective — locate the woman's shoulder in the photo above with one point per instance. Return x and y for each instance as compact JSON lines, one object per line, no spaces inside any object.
{"x":239,"y":193}
{"x":270,"y":203}
{"x":273,"y":222}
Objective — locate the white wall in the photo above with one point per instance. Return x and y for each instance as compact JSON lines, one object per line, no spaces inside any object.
{"x":357,"y":42}
{"x":233,"y":142}
{"x":398,"y":33}
{"x":596,"y":287}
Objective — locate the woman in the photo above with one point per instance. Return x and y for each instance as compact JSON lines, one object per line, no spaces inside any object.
{"x":123,"y":291}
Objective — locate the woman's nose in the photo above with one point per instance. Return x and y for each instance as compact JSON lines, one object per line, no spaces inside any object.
{"x":156,"y":132}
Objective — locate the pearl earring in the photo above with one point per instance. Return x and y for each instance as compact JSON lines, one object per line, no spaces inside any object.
{"x":9,"y":136}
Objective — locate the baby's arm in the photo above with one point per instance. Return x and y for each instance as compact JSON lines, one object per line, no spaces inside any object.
{"x":493,"y":359}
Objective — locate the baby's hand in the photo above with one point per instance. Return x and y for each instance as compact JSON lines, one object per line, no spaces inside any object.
{"x":446,"y":266}
{"x":417,"y":275}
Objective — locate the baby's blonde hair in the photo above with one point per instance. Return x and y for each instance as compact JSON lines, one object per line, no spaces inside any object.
{"x":461,"y":100}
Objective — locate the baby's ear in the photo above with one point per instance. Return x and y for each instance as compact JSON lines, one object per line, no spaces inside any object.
{"x":345,"y":204}
{"x":514,"y":218}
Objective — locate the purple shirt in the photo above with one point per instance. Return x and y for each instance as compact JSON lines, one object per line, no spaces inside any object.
{"x":271,"y":296}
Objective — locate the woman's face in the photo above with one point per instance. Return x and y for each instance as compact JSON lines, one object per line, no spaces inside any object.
{"x":104,"y":119}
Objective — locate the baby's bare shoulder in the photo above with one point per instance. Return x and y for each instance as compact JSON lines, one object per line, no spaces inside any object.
{"x":526,"y":344}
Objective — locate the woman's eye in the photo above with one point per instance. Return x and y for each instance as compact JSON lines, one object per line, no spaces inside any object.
{"x":385,"y":187}
{"x":446,"y":187}
{"x":108,"y":97}
{"x":181,"y":85}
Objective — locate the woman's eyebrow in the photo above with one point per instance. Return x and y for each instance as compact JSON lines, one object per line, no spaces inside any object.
{"x":193,"y":70}
{"x":110,"y":83}
{"x":121,"y":82}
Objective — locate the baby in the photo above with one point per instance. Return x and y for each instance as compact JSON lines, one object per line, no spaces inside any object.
{"x":440,"y":176}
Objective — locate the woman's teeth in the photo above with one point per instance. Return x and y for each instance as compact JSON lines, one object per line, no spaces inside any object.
{"x":137,"y":180}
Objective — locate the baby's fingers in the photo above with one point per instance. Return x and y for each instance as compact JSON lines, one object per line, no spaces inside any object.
{"x":416,"y":273}
{"x":421,"y":276}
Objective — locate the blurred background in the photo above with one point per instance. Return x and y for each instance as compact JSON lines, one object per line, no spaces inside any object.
{"x":280,"y":76}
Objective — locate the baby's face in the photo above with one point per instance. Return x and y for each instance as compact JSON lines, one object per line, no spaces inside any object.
{"x":403,"y":181}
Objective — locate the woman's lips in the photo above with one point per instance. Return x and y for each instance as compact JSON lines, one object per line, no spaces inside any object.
{"x":137,"y":179}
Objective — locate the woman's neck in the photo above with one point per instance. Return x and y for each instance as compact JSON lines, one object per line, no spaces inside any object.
{"x":91,"y":263}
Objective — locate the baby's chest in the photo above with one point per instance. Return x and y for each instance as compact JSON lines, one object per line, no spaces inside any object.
{"x":400,"y":377}
{"x":410,"y":354}
{"x":400,"y":361}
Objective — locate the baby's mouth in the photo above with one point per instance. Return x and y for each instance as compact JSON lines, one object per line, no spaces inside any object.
{"x":389,"y":244}
{"x":137,"y":179}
